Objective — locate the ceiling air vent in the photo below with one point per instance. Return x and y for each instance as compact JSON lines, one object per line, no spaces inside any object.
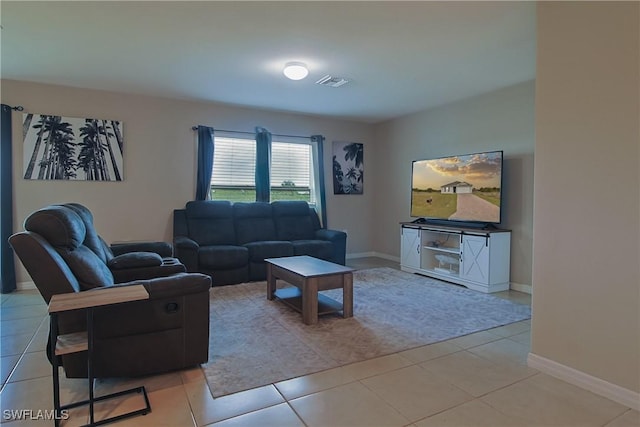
{"x":332,"y":81}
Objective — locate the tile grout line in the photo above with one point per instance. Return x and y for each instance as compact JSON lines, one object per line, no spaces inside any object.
{"x":22,"y":355}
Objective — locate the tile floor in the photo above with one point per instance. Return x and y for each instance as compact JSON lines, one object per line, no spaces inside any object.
{"x":476,"y":380}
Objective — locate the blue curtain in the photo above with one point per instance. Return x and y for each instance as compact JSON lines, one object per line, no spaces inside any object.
{"x":205,"y":163}
{"x":263,"y":165}
{"x":318,"y":141}
{"x":7,"y":268}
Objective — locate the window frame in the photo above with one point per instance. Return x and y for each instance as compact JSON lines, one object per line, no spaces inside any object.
{"x":313,"y":175}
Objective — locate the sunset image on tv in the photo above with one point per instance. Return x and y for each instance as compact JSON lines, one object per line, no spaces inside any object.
{"x":462,"y":188}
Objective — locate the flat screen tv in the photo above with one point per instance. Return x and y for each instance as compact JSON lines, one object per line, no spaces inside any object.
{"x":466,"y":188}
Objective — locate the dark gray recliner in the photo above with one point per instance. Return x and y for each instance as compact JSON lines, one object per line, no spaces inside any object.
{"x":167,"y":332}
{"x":129,"y":261}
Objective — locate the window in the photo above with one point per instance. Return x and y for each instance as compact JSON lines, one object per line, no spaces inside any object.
{"x":293,"y":174}
{"x":234,"y":165}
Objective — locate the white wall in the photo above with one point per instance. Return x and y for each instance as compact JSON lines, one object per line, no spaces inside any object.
{"x":586,"y":277}
{"x":160,"y":158}
{"x":499,"y":120}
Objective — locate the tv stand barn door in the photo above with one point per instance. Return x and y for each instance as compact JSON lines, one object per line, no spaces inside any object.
{"x":410,"y":247}
{"x":477,"y":259}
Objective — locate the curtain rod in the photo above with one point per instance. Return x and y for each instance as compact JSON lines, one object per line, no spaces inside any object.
{"x":253,"y":133}
{"x":16,"y":108}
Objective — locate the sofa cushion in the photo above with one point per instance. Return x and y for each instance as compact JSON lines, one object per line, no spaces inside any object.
{"x":210,"y":222}
{"x":254,"y":222}
{"x":258,"y":251}
{"x":316,"y":248}
{"x":223,"y":257}
{"x":293,"y":220}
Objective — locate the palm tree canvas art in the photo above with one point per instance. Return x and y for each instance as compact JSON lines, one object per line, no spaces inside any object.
{"x":70,"y":148}
{"x":348,"y":168}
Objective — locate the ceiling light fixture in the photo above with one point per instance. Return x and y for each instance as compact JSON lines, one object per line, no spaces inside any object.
{"x":295,"y":70}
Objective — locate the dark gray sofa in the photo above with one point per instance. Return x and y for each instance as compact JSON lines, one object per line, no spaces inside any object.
{"x":230,"y":242}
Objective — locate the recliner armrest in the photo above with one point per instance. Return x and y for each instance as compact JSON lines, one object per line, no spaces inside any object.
{"x":173,"y":286}
{"x":134,"y":260}
{"x":164,"y":249}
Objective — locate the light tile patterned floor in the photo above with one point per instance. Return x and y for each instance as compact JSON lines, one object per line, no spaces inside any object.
{"x":477,"y":380}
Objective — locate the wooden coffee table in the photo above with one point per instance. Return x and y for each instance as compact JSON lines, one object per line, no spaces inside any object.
{"x":310,"y":275}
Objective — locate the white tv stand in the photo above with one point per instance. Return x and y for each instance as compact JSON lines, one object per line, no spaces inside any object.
{"x":476,"y":258}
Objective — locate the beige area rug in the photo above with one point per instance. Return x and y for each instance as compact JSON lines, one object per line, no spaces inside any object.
{"x":255,"y":342}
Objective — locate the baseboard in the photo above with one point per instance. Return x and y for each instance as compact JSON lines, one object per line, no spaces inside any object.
{"x":387,"y":256}
{"x":520,"y":287}
{"x":372,"y":254}
{"x":360,"y":255}
{"x":24,"y":286}
{"x":583,"y":380}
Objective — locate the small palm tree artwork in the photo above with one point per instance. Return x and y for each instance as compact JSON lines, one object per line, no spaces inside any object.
{"x":70,"y":148}
{"x":348,"y":168}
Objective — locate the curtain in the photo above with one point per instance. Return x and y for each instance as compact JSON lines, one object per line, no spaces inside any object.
{"x":263,"y":165}
{"x":317,"y":141}
{"x":7,"y":268}
{"x":205,"y":163}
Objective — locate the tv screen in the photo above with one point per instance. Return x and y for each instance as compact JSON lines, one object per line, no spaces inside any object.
{"x":458,"y":188}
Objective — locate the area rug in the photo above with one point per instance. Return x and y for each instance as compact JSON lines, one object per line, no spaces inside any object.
{"x":255,"y":342}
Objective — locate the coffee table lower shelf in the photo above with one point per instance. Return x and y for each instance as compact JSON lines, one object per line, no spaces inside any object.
{"x":293,"y":298}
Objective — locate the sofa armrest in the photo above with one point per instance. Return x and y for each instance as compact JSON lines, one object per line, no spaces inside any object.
{"x":164,"y":249}
{"x":183,"y":242}
{"x":186,"y":250}
{"x":339,"y":241}
{"x":332,"y":235}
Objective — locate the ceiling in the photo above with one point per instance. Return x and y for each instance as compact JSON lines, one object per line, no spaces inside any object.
{"x":401,"y":57}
